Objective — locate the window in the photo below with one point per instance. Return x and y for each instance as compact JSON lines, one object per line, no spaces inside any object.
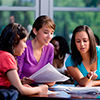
{"x":23,"y":11}
{"x":68,"y":14}
{"x":65,"y":13}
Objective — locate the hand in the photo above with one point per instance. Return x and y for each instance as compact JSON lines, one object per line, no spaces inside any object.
{"x":43,"y":89}
{"x":93,"y":74}
{"x":26,"y":85}
{"x":27,"y":80}
{"x":67,"y":72}
{"x":50,"y":83}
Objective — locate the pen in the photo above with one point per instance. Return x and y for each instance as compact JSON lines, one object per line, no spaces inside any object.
{"x":90,"y":77}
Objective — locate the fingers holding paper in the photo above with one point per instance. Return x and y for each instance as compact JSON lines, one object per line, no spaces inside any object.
{"x":50,"y":83}
{"x":27,"y":80}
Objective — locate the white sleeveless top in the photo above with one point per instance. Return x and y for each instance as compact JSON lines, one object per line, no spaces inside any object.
{"x":62,"y":69}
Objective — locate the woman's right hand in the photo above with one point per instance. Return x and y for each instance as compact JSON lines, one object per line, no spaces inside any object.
{"x":93,"y":74}
{"x":43,"y":89}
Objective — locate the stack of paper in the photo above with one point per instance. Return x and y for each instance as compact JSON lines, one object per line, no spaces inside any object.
{"x":77,"y":90}
{"x":87,"y":90}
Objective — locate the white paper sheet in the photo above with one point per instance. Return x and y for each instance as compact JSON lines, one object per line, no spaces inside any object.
{"x":48,"y":74}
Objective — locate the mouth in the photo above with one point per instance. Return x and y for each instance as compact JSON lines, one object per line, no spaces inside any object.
{"x":82,"y":49}
{"x":46,"y":41}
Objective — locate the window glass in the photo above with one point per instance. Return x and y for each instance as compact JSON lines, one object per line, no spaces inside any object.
{"x":67,"y":21}
{"x":76,"y":3}
{"x":17,"y":3}
{"x":25,"y":18}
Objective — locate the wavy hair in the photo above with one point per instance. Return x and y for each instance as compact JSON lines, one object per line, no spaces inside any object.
{"x":10,"y":37}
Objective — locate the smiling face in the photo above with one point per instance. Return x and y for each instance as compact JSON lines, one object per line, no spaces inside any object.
{"x":20,"y":47}
{"x":82,"y":42}
{"x":44,"y":35}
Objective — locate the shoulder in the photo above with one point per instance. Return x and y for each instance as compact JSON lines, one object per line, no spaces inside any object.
{"x":7,"y":57}
{"x":98,"y":48}
{"x":29,"y":45}
{"x":69,"y":58}
{"x":69,"y":62}
{"x":67,"y":55}
{"x":4,"y":54}
{"x":28,"y":42}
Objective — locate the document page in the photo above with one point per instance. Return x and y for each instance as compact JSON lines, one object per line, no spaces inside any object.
{"x":77,"y":90}
{"x":48,"y":74}
{"x":86,"y":90}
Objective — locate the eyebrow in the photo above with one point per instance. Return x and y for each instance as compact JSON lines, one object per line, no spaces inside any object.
{"x":82,"y":38}
{"x":48,"y":31}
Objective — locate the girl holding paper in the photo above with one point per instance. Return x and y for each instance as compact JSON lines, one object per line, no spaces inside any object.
{"x":13,"y":43}
{"x":39,"y":51}
{"x":84,"y":61}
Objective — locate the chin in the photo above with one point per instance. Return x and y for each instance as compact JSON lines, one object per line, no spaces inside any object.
{"x":46,"y":43}
{"x":20,"y":54}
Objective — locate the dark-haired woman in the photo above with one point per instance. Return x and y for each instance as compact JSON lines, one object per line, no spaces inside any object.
{"x":39,"y":51}
{"x":84,"y":63}
{"x":61,"y":53}
{"x":13,"y":43}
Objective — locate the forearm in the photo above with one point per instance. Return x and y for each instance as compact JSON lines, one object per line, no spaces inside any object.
{"x":83,"y":81}
{"x":24,"y":90}
{"x":29,"y":90}
{"x":96,"y":83}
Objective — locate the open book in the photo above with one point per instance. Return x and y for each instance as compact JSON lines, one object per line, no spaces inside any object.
{"x":78,"y":90}
{"x":48,"y":74}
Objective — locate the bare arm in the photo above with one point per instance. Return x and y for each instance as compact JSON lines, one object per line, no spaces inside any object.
{"x":24,"y":90}
{"x":83,"y":81}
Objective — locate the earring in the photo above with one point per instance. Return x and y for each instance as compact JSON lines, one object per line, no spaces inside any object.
{"x":60,"y":57}
{"x":35,"y":38}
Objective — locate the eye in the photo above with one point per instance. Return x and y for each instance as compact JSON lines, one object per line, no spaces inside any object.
{"x":45,"y":32}
{"x":51,"y":33}
{"x":85,"y":40}
{"x":78,"y":41}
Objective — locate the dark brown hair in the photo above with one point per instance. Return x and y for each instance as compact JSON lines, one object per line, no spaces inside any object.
{"x":76,"y":57}
{"x":10,"y":37}
{"x":40,"y":22}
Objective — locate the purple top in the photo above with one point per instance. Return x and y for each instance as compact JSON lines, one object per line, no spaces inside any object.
{"x":27,"y":62}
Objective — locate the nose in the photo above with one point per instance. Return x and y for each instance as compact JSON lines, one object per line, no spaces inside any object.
{"x":49,"y":36}
{"x":25,"y":45}
{"x":82,"y":43}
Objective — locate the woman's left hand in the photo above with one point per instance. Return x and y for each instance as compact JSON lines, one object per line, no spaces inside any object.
{"x":27,"y":80}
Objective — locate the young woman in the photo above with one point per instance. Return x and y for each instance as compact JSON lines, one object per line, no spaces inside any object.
{"x":39,"y":51}
{"x":61,"y":53}
{"x":85,"y":59}
{"x":13,"y":43}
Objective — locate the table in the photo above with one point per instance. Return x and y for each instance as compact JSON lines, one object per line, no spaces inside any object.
{"x":62,"y":96}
